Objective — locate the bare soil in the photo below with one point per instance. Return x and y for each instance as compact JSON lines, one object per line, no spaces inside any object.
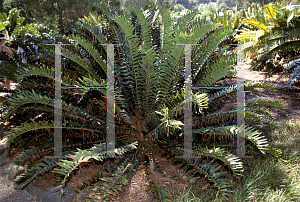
{"x":290,"y":96}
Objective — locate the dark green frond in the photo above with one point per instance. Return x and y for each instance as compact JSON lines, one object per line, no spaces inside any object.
{"x":44,"y":71}
{"x":210,"y":169}
{"x":220,"y":69}
{"x":31,"y":174}
{"x":119,"y":177}
{"x":25,"y":155}
{"x":91,"y":50}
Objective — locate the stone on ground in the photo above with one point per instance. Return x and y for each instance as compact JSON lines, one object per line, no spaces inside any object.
{"x":15,"y":171}
{"x":52,"y":194}
{"x":7,"y":168}
{"x":2,"y":148}
{"x":33,"y":190}
{"x":3,"y":160}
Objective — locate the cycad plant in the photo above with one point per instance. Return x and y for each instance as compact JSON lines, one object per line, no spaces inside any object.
{"x":13,"y":24}
{"x":227,"y":17}
{"x":149,"y":96}
{"x":272,"y":33}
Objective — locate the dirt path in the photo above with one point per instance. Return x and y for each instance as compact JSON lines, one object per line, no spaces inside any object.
{"x":138,"y":188}
{"x":291,"y":97}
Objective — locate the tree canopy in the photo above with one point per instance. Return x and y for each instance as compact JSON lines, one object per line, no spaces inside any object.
{"x":52,"y":13}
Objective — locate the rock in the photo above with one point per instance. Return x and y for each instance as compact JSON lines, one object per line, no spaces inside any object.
{"x":33,"y":190}
{"x":3,"y":160}
{"x":55,"y":195}
{"x":83,"y":194}
{"x":80,"y":196}
{"x":2,"y":148}
{"x":2,"y":130}
{"x":7,"y":168}
{"x":15,"y":171}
